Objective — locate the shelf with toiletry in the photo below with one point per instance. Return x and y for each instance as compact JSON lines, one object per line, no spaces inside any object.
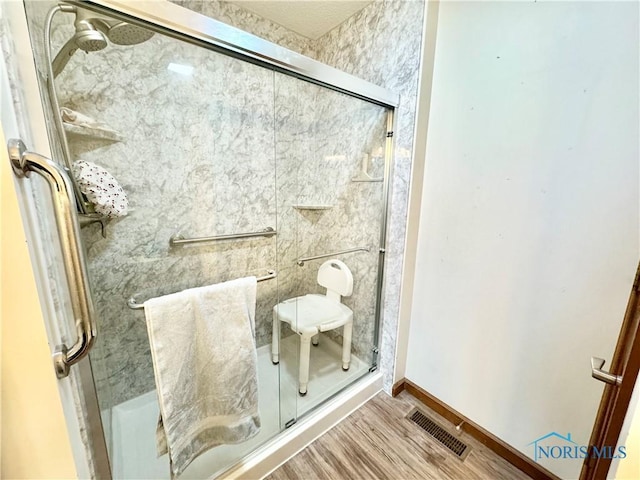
{"x":100,"y":193}
{"x":106,"y":198}
{"x":94,"y":133}
{"x":76,"y":123}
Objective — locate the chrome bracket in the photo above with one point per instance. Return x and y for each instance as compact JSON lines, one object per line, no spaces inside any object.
{"x":60,"y":361}
{"x":599,"y":374}
{"x":16,"y":149}
{"x":86,"y":219}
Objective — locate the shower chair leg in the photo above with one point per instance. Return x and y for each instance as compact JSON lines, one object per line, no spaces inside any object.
{"x":346,"y":345}
{"x":303,"y":374}
{"x":275,"y":340}
{"x":315,"y":340}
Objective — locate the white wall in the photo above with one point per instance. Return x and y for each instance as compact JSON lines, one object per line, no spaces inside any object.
{"x":33,"y":436}
{"x":528,"y":238}
{"x":34,"y":440}
{"x":32,"y":425}
{"x":36,"y":443}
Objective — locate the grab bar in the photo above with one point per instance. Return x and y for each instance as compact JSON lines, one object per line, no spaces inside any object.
{"x":180,"y":240}
{"x":301,"y":260}
{"x":133,"y":304}
{"x":64,"y":206}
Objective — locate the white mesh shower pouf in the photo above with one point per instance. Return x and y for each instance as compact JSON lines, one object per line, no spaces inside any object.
{"x":101,"y":189}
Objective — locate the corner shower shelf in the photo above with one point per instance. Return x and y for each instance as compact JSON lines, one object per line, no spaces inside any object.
{"x":95,"y":133}
{"x":312,"y":206}
{"x":364,"y":177}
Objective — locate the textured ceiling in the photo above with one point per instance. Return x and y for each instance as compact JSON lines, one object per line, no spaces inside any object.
{"x":310,"y":18}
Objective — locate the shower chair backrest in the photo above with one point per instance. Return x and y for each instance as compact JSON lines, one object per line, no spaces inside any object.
{"x":336,"y":277}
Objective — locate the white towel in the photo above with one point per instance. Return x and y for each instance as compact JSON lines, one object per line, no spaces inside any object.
{"x":76,"y":118}
{"x":204,"y":360}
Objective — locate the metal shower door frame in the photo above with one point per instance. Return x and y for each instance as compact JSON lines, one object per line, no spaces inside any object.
{"x":178,"y":22}
{"x":186,"y":25}
{"x":175,"y":21}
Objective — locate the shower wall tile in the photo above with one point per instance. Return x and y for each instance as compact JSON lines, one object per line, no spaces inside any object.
{"x":241,"y":18}
{"x":381,"y":44}
{"x":200,"y":158}
{"x":197,"y":159}
{"x":321,"y":136}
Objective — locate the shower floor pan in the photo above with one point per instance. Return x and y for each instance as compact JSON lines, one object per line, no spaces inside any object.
{"x":134,"y":421}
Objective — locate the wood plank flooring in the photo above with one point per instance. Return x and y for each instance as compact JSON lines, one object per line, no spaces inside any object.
{"x":378,"y":442}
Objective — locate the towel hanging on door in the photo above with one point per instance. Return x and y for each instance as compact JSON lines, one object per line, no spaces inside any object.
{"x":204,"y":361}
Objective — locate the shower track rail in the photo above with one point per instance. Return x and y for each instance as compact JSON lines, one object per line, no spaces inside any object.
{"x":177,"y":240}
{"x":133,"y":304}
{"x":301,"y":260}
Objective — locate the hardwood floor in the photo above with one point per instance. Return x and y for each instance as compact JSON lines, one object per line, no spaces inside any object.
{"x":378,"y":442}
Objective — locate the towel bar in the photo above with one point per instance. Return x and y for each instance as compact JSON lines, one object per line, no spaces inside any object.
{"x":134,"y":305}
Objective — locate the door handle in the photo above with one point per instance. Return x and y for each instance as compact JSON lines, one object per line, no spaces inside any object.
{"x":64,"y":206}
{"x":599,"y":374}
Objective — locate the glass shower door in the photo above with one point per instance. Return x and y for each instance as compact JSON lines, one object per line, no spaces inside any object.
{"x":330,"y":155}
{"x":188,"y":134}
{"x":230,"y":169}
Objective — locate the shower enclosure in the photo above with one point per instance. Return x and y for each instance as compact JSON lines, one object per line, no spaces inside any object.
{"x":238,"y":158}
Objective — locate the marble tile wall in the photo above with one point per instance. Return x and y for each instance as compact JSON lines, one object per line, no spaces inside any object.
{"x":200,"y":157}
{"x":320,"y":140}
{"x":381,"y":44}
{"x":235,"y":15}
{"x":197,"y":159}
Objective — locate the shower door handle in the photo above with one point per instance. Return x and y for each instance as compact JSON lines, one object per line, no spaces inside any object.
{"x":64,"y":206}
{"x":599,"y":374}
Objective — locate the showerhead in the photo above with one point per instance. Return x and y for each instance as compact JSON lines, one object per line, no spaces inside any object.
{"x":92,"y":31}
{"x":89,"y":40}
{"x":119,"y":32}
{"x":122,"y":33}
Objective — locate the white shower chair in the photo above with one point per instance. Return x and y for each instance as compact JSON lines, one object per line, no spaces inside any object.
{"x":311,"y":314}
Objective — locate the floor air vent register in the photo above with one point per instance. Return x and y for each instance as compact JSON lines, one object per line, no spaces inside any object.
{"x":457,"y":447}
